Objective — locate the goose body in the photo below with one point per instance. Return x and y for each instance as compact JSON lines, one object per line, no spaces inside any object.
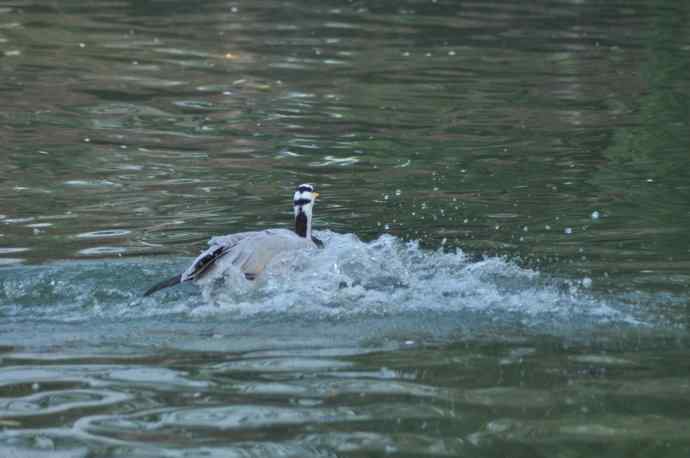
{"x":251,"y":252}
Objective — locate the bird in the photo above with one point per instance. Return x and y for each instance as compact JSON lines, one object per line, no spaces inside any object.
{"x":252,"y":251}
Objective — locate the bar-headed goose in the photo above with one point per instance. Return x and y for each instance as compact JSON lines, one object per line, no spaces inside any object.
{"x":251,"y":252}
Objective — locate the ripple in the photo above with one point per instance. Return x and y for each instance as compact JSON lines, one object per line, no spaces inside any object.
{"x":41,"y":376}
{"x":337,"y":161}
{"x":280,"y":365}
{"x":9,"y":250}
{"x":658,"y":388}
{"x":158,"y":376}
{"x":60,"y":401}
{"x":201,"y":105}
{"x":589,"y":430}
{"x":149,"y":82}
{"x":126,"y":109}
{"x":103,"y":251}
{"x":326,"y":387}
{"x":18,"y":220}
{"x":394,"y":443}
{"x":250,"y":416}
{"x":223,"y":418}
{"x":603,"y":360}
{"x":90,"y":183}
{"x":509,"y":397}
{"x":105,"y":233}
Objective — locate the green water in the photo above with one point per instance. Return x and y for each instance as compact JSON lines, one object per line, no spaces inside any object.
{"x":505,"y":192}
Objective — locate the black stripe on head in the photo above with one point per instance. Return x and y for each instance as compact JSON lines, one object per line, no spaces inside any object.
{"x":305,"y":188}
{"x":301,"y":202}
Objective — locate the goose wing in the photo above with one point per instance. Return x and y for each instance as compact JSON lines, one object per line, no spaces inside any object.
{"x":251,"y":252}
{"x":203,"y":262}
{"x":256,"y":252}
{"x":219,"y":247}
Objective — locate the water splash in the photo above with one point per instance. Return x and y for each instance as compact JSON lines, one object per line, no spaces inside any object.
{"x":348,"y":279}
{"x":389,"y":276}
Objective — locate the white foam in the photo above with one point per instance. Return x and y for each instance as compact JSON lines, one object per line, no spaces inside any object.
{"x":388,"y":276}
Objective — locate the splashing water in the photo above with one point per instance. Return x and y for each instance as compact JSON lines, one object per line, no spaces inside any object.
{"x":389,"y":276}
{"x":348,"y":278}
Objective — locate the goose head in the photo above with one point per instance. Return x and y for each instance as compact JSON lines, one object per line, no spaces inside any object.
{"x":303,"y":204}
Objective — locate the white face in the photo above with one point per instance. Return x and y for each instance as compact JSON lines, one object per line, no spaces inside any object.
{"x":304,"y":199}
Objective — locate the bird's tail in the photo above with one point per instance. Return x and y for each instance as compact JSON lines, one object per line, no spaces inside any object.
{"x":172,"y":281}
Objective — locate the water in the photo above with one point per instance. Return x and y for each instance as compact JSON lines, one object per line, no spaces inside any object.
{"x":504,"y":197}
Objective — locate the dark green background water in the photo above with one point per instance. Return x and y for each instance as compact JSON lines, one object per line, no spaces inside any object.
{"x":547,"y":140}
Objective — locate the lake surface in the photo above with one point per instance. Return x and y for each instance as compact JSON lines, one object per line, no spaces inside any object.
{"x":505,"y":201}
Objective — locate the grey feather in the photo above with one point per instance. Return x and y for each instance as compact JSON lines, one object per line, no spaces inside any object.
{"x":250,"y":252}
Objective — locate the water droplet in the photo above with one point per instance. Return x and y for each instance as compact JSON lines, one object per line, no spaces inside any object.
{"x":595,"y":214}
{"x":568,"y":230}
{"x":398,"y":192}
